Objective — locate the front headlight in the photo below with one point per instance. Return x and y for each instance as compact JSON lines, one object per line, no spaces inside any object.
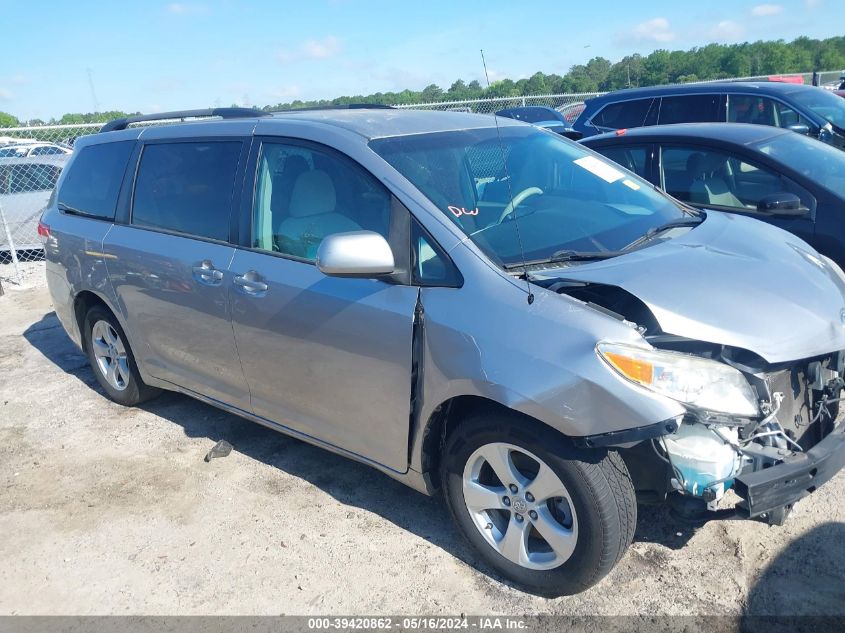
{"x":699,"y":382}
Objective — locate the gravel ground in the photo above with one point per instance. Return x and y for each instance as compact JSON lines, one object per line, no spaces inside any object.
{"x":108,"y":510}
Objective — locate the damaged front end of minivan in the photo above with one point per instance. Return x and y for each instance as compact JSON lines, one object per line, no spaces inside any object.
{"x":765,"y":431}
{"x":768,"y":431}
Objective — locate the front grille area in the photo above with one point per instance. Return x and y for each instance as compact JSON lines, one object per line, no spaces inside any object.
{"x":800,"y":405}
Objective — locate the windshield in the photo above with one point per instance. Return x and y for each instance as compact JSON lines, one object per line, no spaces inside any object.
{"x":821,"y":162}
{"x":12,"y":152}
{"x":549,"y":194}
{"x":823,"y":103}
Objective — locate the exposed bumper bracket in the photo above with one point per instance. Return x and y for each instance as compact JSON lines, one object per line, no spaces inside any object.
{"x":628,"y":436}
{"x":784,"y":484}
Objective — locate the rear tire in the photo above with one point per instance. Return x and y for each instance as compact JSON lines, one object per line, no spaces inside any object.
{"x":585,"y":502}
{"x":112,"y":360}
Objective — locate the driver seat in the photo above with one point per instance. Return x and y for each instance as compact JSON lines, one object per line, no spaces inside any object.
{"x":708,"y":186}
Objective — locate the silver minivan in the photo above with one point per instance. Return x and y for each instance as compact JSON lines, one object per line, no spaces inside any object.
{"x":470,"y":305}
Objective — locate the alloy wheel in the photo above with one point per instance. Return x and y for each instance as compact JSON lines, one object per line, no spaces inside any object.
{"x":520,"y":506}
{"x":110,"y":355}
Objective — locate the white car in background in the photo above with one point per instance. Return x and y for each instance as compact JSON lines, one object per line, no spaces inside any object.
{"x":15,"y":140}
{"x":24,"y":150}
{"x":25,"y":188}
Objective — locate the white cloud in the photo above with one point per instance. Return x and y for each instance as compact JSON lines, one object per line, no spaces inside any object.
{"x":324,"y":48}
{"x":5,"y":95}
{"x":764,"y":10}
{"x":654,"y":30}
{"x":186,"y":8}
{"x":812,"y":4}
{"x":727,"y":31}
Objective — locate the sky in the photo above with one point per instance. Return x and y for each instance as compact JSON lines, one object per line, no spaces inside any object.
{"x":151,"y":56}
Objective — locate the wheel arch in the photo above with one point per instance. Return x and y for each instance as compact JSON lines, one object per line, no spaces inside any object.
{"x":446,"y":417}
{"x":86,"y":299}
{"x":82,"y":303}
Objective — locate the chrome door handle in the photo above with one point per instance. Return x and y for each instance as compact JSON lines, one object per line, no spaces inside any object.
{"x":206,"y":273}
{"x":250,"y":283}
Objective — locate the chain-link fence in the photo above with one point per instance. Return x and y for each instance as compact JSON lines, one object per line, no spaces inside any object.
{"x":830,"y":79}
{"x":31,"y":160}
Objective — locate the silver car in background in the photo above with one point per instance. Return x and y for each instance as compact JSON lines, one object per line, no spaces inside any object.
{"x":25,"y":188}
{"x":471,"y":306}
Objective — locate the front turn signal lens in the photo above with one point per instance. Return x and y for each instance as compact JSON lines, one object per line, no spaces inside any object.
{"x":640,"y":371}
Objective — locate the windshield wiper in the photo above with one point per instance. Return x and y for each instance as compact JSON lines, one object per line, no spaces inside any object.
{"x":693,"y":220}
{"x":566,"y":256}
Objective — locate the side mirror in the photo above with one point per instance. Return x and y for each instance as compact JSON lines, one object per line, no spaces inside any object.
{"x":799,"y":127}
{"x":784,"y":203}
{"x":357,"y":254}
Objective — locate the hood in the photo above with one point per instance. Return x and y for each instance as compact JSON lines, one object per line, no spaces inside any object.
{"x":734,"y":281}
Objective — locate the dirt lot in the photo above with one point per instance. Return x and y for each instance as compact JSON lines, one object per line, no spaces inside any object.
{"x":107,"y":510}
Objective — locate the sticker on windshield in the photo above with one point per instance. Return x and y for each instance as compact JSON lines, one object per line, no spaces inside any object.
{"x":599,"y":168}
{"x":459,"y":211}
{"x":630,"y":183}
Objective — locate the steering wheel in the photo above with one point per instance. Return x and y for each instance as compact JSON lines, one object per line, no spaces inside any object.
{"x":517,"y":200}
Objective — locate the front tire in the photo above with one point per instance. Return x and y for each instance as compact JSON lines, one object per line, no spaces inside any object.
{"x":112,"y":360}
{"x":553,"y":518}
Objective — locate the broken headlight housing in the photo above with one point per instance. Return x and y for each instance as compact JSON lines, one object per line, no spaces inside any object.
{"x":698,"y":382}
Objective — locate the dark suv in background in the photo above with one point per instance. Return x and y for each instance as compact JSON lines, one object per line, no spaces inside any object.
{"x":804,"y":109}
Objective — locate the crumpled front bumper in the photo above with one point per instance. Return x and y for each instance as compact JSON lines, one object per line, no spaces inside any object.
{"x":802,"y":474}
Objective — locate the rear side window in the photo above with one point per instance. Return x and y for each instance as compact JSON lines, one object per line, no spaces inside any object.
{"x":93,"y":179}
{"x":631,"y":158}
{"x":623,"y":114}
{"x":689,"y":109}
{"x":187,"y":187}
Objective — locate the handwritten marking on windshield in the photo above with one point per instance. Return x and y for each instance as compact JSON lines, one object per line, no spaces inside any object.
{"x":459,"y":211}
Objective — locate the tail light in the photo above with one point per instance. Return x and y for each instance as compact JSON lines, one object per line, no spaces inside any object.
{"x":43,"y":231}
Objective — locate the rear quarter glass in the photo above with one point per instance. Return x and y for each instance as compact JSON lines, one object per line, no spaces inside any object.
{"x":92,"y":183}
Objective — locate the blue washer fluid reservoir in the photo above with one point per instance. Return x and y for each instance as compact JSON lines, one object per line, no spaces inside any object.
{"x":703,"y":458}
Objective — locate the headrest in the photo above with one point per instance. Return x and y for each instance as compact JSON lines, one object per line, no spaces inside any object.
{"x":295,"y":165}
{"x":694,"y":161}
{"x":313,"y":194}
{"x":713,"y":162}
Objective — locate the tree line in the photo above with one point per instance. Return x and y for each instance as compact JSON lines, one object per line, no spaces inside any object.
{"x":714,"y":61}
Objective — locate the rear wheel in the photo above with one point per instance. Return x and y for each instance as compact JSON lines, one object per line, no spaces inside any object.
{"x":552,"y":518}
{"x":112,"y":360}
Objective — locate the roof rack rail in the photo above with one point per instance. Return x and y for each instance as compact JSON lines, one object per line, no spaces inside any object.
{"x":342,"y":106}
{"x":223,"y":113}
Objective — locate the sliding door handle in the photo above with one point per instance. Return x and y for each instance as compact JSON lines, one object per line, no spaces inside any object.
{"x":250,"y":283}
